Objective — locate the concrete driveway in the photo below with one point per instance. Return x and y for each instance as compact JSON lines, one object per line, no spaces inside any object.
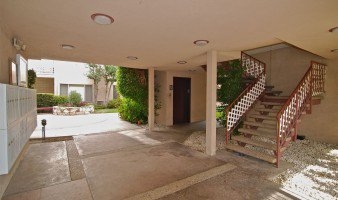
{"x":58,"y":125}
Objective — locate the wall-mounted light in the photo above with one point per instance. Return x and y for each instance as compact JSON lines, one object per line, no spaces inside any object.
{"x":18,"y":44}
{"x":334,"y":30}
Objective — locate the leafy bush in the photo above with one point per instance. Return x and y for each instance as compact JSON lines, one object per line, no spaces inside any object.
{"x":230,"y":79}
{"x":60,"y":100}
{"x":75,"y":98}
{"x":45,"y":100}
{"x":98,"y":107}
{"x":31,"y":79}
{"x":114,"y":103}
{"x":133,"y":111}
{"x":132,"y":84}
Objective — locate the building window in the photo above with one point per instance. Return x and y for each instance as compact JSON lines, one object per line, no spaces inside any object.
{"x":86,"y":91}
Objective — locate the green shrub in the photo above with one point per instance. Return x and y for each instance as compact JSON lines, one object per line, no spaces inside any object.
{"x":60,"y":100}
{"x":98,"y":107}
{"x":230,"y":80}
{"x":132,"y":85}
{"x":45,"y":100}
{"x":133,"y":111}
{"x":114,"y":103}
{"x":75,"y":98}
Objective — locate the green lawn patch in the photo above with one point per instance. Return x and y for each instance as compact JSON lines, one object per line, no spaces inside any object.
{"x":106,"y":110}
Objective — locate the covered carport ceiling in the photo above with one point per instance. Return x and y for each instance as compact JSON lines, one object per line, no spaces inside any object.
{"x":162,"y":32}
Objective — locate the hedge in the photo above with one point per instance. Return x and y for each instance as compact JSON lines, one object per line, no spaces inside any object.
{"x":49,"y":100}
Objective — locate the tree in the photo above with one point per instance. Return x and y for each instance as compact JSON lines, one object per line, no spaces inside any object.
{"x":95,"y":72}
{"x":109,"y":79}
{"x":31,"y":78}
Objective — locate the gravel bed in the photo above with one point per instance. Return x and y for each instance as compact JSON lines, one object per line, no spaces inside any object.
{"x":196,"y":140}
{"x":314,"y":174}
{"x":315,"y":171}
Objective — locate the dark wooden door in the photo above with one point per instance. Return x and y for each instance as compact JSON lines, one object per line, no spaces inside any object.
{"x":181,"y":102}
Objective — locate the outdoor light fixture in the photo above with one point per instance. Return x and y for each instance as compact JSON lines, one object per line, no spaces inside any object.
{"x":67,"y":46}
{"x":182,"y":62}
{"x":132,"y":57}
{"x":201,"y":42}
{"x":334,"y":30}
{"x":102,"y":19}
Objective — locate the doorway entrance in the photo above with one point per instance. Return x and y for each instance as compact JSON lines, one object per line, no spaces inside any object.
{"x":181,"y":100}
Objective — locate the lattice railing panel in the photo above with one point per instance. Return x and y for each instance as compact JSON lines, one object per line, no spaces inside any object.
{"x":243,"y":104}
{"x":318,"y":78}
{"x":252,"y":66}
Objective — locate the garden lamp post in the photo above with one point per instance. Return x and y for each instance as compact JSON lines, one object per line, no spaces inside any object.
{"x":44,"y":123}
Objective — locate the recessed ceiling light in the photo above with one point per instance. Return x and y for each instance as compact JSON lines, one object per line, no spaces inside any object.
{"x":102,"y":19}
{"x":132,"y":57}
{"x":67,"y":46}
{"x":334,"y":50}
{"x":334,"y":30}
{"x":182,"y":62}
{"x":201,"y":42}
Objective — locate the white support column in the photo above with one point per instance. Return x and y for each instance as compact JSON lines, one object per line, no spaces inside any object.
{"x":151,"y":98}
{"x":211,"y":102}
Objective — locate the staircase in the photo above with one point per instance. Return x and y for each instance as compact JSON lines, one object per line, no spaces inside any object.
{"x":270,"y":121}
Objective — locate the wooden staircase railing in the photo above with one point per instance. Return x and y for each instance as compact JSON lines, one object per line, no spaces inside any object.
{"x":299,"y":101}
{"x":236,"y":110}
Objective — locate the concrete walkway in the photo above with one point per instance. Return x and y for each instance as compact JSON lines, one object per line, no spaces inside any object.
{"x":58,"y":126}
{"x":136,"y":164}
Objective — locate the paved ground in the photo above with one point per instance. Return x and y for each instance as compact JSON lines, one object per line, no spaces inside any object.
{"x":80,"y":124}
{"x":135,"y":164}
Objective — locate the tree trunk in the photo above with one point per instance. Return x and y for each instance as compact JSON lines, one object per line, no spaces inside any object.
{"x":108,"y":92}
{"x":96,"y":90}
{"x":105,"y":94}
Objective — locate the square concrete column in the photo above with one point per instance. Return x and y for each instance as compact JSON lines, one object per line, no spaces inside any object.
{"x":151,"y":98}
{"x":211,"y":102}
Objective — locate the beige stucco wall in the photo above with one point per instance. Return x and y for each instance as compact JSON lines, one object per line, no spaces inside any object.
{"x":322,"y":124}
{"x":7,"y":51}
{"x":102,"y":91}
{"x":198,"y":98}
{"x":285,"y":67}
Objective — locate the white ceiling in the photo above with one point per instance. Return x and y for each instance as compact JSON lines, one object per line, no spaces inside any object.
{"x":161,"y":32}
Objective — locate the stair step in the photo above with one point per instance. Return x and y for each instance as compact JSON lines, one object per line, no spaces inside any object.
{"x":266,"y":117}
{"x":251,"y":153}
{"x":259,"y":124}
{"x":267,"y":110}
{"x":269,"y":87}
{"x":273,"y":93}
{"x":263,"y":133}
{"x":257,"y":143}
{"x":268,"y":122}
{"x":266,"y":103}
{"x":276,"y":97}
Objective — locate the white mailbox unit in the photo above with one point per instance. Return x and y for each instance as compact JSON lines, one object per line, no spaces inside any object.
{"x":17,"y":122}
